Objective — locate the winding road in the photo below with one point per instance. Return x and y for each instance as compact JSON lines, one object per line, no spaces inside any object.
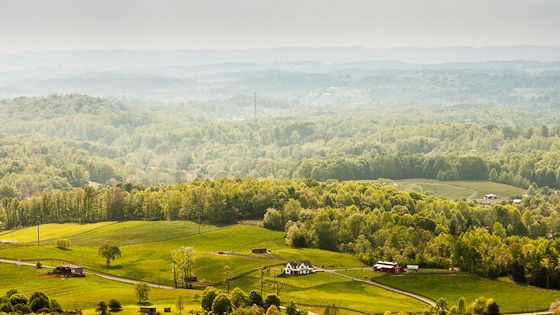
{"x":332,"y":271}
{"x":419,"y":298}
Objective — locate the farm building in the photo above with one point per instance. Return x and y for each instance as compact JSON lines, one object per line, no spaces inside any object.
{"x":298,"y":267}
{"x":259,"y":251}
{"x":412,"y":267}
{"x":147,"y":309}
{"x":69,"y":270}
{"x":387,"y":266}
{"x":490,"y":196}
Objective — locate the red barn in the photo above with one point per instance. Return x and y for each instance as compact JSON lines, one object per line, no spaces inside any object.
{"x":387,"y":266}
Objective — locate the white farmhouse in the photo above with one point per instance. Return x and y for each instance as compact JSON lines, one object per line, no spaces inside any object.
{"x":298,"y":267}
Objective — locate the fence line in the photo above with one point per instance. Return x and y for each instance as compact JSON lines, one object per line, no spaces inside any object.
{"x":256,"y":256}
{"x":339,"y":307}
{"x":243,"y":274}
{"x":296,"y":287}
{"x":393,"y":288}
{"x":68,"y":236}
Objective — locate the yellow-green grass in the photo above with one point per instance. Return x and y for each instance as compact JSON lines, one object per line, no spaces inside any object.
{"x":304,"y":281}
{"x":463,"y":189}
{"x":361,"y":274}
{"x":83,"y":293}
{"x":153,"y":261}
{"x":320,"y":258}
{"x":488,"y":187}
{"x":442,"y":189}
{"x":356,"y":296}
{"x":353,"y":295}
{"x":50,"y":231}
{"x":452,"y":287}
{"x":140,"y":232}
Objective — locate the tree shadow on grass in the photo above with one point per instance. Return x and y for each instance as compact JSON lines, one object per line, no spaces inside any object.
{"x":111,"y":267}
{"x":145,"y":303}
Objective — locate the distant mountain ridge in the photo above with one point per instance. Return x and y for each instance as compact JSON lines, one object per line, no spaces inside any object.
{"x":98,"y":60}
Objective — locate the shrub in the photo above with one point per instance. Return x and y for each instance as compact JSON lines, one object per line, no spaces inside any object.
{"x":114,"y":305}
{"x":271,"y":299}
{"x":17,"y":299}
{"x":62,"y":243}
{"x":221,"y":304}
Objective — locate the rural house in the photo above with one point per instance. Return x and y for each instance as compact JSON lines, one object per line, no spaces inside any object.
{"x":298,"y":267}
{"x":387,"y":266}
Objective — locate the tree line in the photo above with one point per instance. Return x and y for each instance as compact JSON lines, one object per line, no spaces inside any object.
{"x":371,"y":221}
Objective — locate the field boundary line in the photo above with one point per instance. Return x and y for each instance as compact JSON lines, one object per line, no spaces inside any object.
{"x":296,"y":287}
{"x":72,"y":235}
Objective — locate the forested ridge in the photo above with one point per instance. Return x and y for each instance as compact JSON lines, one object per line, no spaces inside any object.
{"x":60,"y":142}
{"x":371,"y":221}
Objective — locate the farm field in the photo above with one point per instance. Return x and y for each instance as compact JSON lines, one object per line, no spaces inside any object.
{"x":304,"y":281}
{"x":361,"y":274}
{"x":84,"y":293}
{"x":454,"y":286}
{"x":50,"y":232}
{"x":464,"y":189}
{"x":353,"y":295}
{"x":151,"y":261}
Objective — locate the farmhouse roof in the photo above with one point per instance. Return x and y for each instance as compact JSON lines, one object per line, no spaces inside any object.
{"x":298,"y":262}
{"x":386,"y":264}
{"x":70,"y":266}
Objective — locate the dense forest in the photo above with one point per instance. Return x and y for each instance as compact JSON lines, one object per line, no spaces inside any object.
{"x":194,"y":144}
{"x":369,"y":220}
{"x":60,"y":142}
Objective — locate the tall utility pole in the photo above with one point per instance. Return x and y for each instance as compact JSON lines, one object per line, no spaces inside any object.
{"x":38,"y":221}
{"x":199,"y":213}
{"x":256,"y":109}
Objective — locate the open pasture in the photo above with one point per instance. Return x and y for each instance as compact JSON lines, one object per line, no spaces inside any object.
{"x":84,"y":293}
{"x":475,"y":189}
{"x":454,"y":286}
{"x":353,"y":295}
{"x":152,"y":261}
{"x":50,"y":232}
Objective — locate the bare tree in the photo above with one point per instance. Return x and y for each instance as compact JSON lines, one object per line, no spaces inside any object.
{"x":186,"y":261}
{"x":275,"y":272}
{"x":227,"y":275}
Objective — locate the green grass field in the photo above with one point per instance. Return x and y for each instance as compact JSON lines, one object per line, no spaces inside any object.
{"x":361,"y":274}
{"x":353,"y":295}
{"x":84,"y":293}
{"x":304,"y":281}
{"x":452,"y":287}
{"x":50,"y":231}
{"x":151,"y":261}
{"x":141,"y":232}
{"x":453,"y":190}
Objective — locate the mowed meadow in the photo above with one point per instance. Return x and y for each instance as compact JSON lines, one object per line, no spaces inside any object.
{"x":146,"y":248}
{"x":149,"y":258}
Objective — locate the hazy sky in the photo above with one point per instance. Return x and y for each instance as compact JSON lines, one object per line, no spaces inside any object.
{"x":50,"y":25}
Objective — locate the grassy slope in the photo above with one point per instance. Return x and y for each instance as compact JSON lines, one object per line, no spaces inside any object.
{"x":463,"y":189}
{"x":304,"y":281}
{"x":50,"y":231}
{"x":352,"y":295}
{"x":452,"y":287}
{"x":85,"y":292}
{"x":140,"y":232}
{"x":361,"y":274}
{"x":151,"y":261}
